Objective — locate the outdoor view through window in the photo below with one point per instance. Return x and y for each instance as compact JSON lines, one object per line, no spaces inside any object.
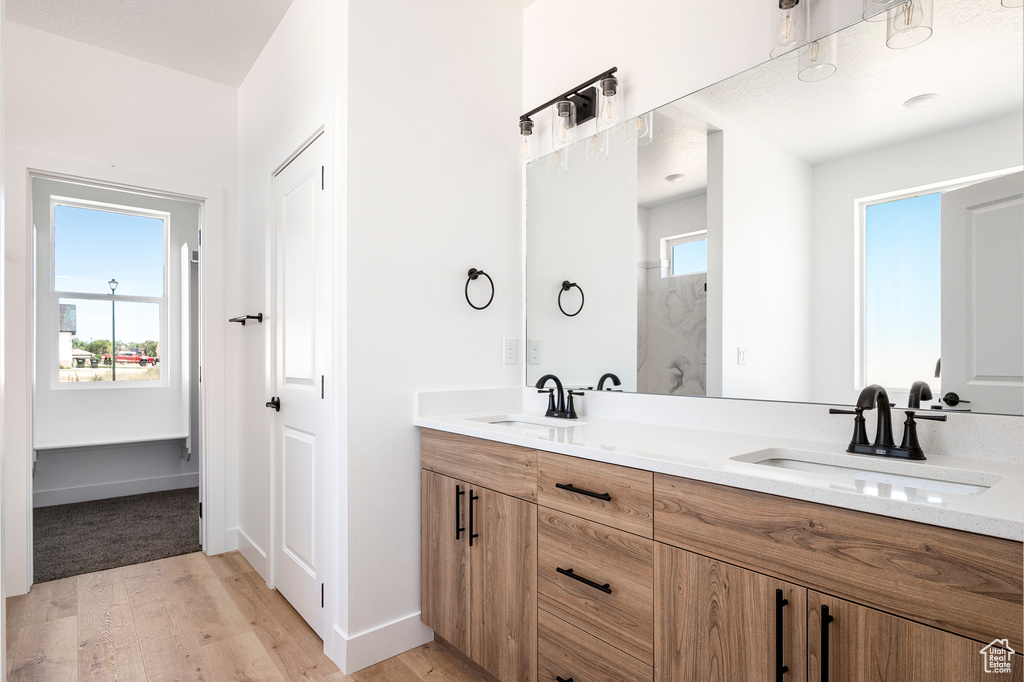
{"x":109,"y":288}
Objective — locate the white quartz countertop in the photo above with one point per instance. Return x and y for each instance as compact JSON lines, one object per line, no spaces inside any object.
{"x":997,"y":510}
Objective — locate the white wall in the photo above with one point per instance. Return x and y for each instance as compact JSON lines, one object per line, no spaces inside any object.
{"x":764,"y":233}
{"x":583,"y":228}
{"x":434,"y":189}
{"x":671,"y":219}
{"x":79,"y":110}
{"x":981,"y":148}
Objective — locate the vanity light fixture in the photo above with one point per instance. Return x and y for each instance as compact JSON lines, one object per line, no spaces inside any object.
{"x":570,"y":109}
{"x":597,"y":145}
{"x":909,"y":24}
{"x":526,"y":133}
{"x":875,"y":10}
{"x":642,"y":133}
{"x":609,"y":111}
{"x":818,"y":61}
{"x":789,"y":26}
{"x":558,"y":161}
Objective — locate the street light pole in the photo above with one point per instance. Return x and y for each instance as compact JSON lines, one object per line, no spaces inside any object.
{"x":113,"y":332}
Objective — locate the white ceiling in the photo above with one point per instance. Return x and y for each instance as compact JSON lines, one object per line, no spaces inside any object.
{"x":974,"y":61}
{"x":680,"y":145}
{"x":215,"y":39}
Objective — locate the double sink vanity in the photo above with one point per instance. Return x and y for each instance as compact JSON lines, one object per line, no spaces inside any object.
{"x":603,"y":549}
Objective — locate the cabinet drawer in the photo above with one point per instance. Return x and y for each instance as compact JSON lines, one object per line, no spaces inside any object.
{"x":613,"y":495}
{"x":505,"y":468}
{"x":960,"y":582}
{"x":616,"y":603}
{"x":566,"y":651}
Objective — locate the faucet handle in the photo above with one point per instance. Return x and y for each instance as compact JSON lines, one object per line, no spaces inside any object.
{"x":571,"y":408}
{"x":910,"y":442}
{"x":926,"y":415}
{"x":836,"y":410}
{"x":860,"y":432}
{"x":551,"y":399}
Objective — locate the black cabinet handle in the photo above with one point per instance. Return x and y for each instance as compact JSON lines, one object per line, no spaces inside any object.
{"x":579,"y":491}
{"x":472,"y":498}
{"x":780,"y":669}
{"x":568,"y":571}
{"x":825,"y":620}
{"x":558,"y":678}
{"x":459,"y":492}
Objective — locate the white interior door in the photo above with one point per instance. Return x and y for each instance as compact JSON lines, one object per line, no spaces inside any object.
{"x":300,"y":326}
{"x":983,"y":294}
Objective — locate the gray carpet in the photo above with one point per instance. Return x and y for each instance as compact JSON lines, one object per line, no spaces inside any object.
{"x":72,"y":539}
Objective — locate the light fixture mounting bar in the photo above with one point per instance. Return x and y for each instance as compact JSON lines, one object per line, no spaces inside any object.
{"x":582,"y":98}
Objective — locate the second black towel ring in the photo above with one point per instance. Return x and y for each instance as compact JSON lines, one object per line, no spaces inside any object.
{"x":473,"y":274}
{"x":566,"y":285}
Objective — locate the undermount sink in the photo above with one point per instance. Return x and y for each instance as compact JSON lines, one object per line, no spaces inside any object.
{"x":894,"y":479}
{"x":526,"y":421}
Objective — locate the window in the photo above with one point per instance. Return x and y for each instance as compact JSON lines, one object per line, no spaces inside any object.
{"x":902,"y":298}
{"x":109,"y":284}
{"x":687,"y":254}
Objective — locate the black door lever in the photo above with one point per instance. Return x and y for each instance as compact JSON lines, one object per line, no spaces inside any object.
{"x":275,"y":403}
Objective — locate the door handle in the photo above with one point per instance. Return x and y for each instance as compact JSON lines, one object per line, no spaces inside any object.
{"x":275,"y":403}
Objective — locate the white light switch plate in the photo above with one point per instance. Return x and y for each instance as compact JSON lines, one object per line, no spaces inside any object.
{"x":741,"y":356}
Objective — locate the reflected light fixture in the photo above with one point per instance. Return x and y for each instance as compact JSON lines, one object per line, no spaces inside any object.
{"x":526,"y":133}
{"x":789,"y":27}
{"x":875,"y":10}
{"x":818,"y":61}
{"x":909,"y":24}
{"x":642,"y":132}
{"x":675,"y":177}
{"x":597,"y":145}
{"x":921,"y":101}
{"x":558,"y":161}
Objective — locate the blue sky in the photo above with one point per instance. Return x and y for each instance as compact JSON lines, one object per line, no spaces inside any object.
{"x":903,"y":313}
{"x":92,"y":247}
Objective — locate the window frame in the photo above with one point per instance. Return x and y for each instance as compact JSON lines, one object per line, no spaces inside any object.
{"x":667,"y":244}
{"x":56,"y":295}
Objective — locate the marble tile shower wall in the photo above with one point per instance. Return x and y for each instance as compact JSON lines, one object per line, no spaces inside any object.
{"x":672,"y":348}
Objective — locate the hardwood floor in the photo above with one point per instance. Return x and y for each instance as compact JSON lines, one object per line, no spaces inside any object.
{"x":190,"y":617}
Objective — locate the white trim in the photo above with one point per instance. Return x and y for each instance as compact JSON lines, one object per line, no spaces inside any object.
{"x":372,"y":646}
{"x":102,"y":491}
{"x":79,"y":443}
{"x":253,"y":553}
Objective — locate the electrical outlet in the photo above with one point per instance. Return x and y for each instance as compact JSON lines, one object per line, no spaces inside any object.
{"x":510,"y":351}
{"x":533,"y":347}
{"x":741,"y":355}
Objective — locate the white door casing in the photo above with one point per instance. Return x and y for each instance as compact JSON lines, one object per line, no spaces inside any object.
{"x":301,"y":287}
{"x":983,"y":294}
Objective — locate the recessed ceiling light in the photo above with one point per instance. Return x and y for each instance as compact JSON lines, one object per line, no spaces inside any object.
{"x":921,"y":101}
{"x":675,"y":177}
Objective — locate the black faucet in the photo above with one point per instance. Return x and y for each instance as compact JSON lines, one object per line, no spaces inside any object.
{"x":875,"y":396}
{"x":919,"y":391}
{"x":557,"y":408}
{"x":609,"y":375}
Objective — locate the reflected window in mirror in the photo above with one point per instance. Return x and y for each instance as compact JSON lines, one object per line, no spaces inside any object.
{"x":687,"y":253}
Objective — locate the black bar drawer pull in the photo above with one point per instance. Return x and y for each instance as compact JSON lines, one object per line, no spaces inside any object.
{"x":559,"y":678}
{"x":825,"y":620}
{"x":568,"y":571}
{"x":573,"y":489}
{"x":780,"y":669}
{"x":459,"y":492}
{"x":472,"y":534}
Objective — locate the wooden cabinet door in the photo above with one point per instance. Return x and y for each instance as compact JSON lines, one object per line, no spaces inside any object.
{"x":865,"y":645}
{"x":444,"y":558}
{"x":504,"y":585}
{"x":717,"y":622}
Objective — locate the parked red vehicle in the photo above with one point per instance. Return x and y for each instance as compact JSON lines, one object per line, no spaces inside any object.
{"x":130,"y":357}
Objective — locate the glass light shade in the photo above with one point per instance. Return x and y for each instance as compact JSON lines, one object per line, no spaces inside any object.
{"x":1013,"y":3}
{"x":526,"y":137}
{"x":909,"y":24}
{"x":558,"y":162}
{"x":597,"y":145}
{"x":818,"y":61}
{"x":875,"y":10}
{"x":642,"y":131}
{"x":609,"y":109}
{"x":563,"y":124}
{"x":789,"y":26}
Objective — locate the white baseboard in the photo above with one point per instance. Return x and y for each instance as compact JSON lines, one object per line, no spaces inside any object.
{"x":253,"y":553}
{"x":373,"y":646}
{"x":230,"y":539}
{"x":102,"y":491}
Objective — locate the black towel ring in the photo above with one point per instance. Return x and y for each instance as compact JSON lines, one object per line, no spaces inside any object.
{"x":566,"y":285}
{"x":473,"y":274}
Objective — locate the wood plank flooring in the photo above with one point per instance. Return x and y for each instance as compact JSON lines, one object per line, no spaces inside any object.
{"x":189,"y":617}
